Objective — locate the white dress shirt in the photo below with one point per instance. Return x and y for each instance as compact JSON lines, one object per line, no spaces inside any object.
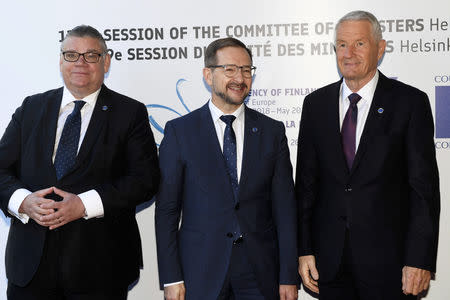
{"x":238,"y":127}
{"x":366,"y":93}
{"x":91,"y":199}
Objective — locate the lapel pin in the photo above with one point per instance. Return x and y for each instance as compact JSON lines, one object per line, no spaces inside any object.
{"x":104,"y":107}
{"x":254,"y":129}
{"x":380,"y":110}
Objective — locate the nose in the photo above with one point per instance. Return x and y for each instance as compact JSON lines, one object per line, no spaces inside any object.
{"x":80,"y":60}
{"x":348,"y":52}
{"x":238,"y":76}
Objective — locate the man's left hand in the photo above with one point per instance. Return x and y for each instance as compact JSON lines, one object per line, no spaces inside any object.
{"x":288,"y":292}
{"x":415,"y":280}
{"x":71,"y":208}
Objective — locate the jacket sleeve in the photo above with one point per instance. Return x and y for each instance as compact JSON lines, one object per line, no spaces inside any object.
{"x":423,"y":178}
{"x":168,"y":208}
{"x":10,"y":150}
{"x":140,"y":176}
{"x":306,"y":179}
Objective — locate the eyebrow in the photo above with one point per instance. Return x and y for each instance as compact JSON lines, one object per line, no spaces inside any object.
{"x":88,"y":50}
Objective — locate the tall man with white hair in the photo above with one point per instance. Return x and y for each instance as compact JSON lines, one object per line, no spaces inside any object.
{"x":366,"y":180}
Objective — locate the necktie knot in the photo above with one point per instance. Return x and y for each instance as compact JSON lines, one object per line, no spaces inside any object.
{"x":354,"y":98}
{"x":228,"y":119}
{"x":78,"y":105}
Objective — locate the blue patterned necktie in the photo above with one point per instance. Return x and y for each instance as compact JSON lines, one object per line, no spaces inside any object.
{"x":229,"y":153}
{"x":68,"y":143}
{"x":348,"y":131}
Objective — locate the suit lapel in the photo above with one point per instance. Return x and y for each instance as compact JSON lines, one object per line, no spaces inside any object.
{"x":212,"y":156}
{"x":377,"y":113}
{"x":333,"y":130}
{"x":99,"y":119}
{"x":252,"y":140}
{"x":51,"y":114}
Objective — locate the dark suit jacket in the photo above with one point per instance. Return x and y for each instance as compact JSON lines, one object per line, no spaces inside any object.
{"x":196,"y":187}
{"x":117,"y":158}
{"x":390,"y":197}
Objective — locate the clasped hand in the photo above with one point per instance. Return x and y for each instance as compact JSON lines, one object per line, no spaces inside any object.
{"x":50,"y":213}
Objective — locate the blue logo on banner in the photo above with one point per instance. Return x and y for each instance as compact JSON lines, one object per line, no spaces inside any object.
{"x":442,"y":111}
{"x":152,"y":120}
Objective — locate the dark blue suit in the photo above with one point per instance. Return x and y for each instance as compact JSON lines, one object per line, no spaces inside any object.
{"x":196,"y":186}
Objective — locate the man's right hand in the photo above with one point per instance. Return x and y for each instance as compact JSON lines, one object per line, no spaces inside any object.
{"x":308,"y":271}
{"x":31,"y":205}
{"x":174,"y":292}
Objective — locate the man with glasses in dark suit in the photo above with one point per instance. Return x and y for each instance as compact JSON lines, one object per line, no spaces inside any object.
{"x":74,"y":163}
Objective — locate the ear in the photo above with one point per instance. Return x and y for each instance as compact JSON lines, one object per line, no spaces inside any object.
{"x":61,"y":60}
{"x":381,"y":48}
{"x":107,"y":62}
{"x":207,"y":75}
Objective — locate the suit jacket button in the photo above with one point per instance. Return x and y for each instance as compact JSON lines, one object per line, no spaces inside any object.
{"x":230,"y":235}
{"x":236,"y":207}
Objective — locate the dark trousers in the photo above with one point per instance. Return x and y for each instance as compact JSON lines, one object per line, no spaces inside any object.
{"x":48,"y":282}
{"x":345,"y":286}
{"x":240,"y":281}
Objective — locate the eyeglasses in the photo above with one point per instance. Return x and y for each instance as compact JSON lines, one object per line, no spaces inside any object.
{"x":89,"y":57}
{"x":231,"y":70}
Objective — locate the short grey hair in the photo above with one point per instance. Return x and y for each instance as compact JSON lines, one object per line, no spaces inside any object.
{"x":86,"y":31}
{"x":360,"y":15}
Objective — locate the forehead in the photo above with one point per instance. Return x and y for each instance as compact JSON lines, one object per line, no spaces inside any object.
{"x":354,"y":30}
{"x":81,"y":44}
{"x":233,"y":55}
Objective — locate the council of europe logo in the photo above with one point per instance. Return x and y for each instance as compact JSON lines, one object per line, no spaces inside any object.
{"x":150,"y":107}
{"x":442,"y":111}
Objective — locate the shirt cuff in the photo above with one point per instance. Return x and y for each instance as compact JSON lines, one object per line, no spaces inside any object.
{"x":173,"y":283}
{"x":93,"y":204}
{"x":14,"y":204}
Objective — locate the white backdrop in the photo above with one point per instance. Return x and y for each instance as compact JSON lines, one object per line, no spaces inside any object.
{"x":160,"y":64}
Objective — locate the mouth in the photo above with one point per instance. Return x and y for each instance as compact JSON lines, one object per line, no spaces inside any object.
{"x":237,"y":87}
{"x":79,"y":73}
{"x":351,"y":64}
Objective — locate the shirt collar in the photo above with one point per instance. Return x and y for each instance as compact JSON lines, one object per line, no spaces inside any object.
{"x":216,"y":113}
{"x":366,"y":92}
{"x":69,"y":98}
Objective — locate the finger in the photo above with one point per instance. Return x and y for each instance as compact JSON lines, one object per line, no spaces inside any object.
{"x":44,"y":191}
{"x":417,"y":283}
{"x":282,"y":294}
{"x":182,"y":292}
{"x":313,"y":276}
{"x":52,"y":221}
{"x":60,"y":192}
{"x":310,"y":284}
{"x":426,"y":285}
{"x":314,"y":273}
{"x":415,"y":290}
{"x":51,"y":217}
{"x":61,"y":223}
{"x":408,"y":285}
{"x":51,"y":204}
{"x":404,"y":279}
{"x":44,"y":212}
